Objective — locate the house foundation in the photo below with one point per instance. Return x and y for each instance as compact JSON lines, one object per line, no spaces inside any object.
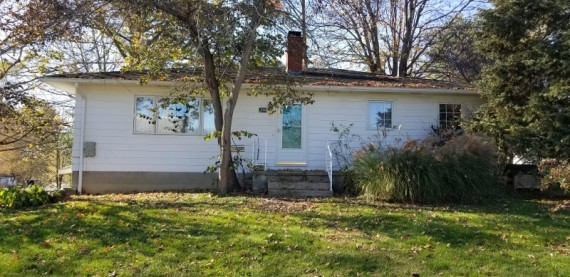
{"x":101,"y":182}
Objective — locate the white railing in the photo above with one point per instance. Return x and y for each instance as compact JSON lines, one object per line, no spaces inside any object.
{"x":256,"y":153}
{"x":329,"y":161}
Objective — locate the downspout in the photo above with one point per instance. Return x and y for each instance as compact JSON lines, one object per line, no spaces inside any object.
{"x":82,"y":140}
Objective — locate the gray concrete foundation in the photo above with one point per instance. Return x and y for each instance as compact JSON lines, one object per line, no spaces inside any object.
{"x":102,"y":182}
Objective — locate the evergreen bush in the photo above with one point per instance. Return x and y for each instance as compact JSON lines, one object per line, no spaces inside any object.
{"x":32,"y":196}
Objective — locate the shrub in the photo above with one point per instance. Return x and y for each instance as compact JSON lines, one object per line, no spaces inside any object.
{"x":462,"y":170}
{"x":349,"y":182}
{"x":32,"y":196}
{"x":342,"y":156}
{"x":555,"y":177}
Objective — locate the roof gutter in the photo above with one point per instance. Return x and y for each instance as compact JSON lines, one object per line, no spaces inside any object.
{"x":405,"y":90}
{"x":312,"y":88}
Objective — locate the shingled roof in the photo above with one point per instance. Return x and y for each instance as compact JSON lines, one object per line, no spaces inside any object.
{"x":313,"y":76}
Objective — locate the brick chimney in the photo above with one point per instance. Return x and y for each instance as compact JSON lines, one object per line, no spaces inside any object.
{"x":294,"y":53}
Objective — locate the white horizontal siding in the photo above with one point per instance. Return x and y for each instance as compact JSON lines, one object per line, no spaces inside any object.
{"x":110,"y":114}
{"x":248,"y":118}
{"x":415,"y":113}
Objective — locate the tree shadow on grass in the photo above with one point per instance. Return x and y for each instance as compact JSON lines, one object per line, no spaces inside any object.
{"x":464,"y":230}
{"x":83,"y":232}
{"x":455,"y":224}
{"x":101,"y":224}
{"x":143,"y":227}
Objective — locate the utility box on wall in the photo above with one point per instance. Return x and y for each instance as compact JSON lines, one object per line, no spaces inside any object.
{"x":89,"y":149}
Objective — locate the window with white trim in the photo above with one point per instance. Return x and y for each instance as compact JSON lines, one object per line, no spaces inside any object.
{"x":380,"y":115}
{"x":449,"y":116}
{"x":166,"y":115}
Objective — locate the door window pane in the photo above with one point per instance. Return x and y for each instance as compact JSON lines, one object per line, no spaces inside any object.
{"x":292,"y":130}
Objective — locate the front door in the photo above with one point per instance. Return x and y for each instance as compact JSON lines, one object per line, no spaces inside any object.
{"x":292,"y":147}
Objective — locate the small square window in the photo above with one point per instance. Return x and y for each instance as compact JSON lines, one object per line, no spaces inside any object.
{"x":449,"y":116}
{"x":379,"y":115}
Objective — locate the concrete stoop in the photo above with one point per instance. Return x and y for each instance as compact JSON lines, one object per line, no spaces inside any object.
{"x":286,"y":192}
{"x":298,"y":183}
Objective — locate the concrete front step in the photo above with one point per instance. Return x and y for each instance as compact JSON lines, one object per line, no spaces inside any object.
{"x":297,"y":185}
{"x":298,"y":189}
{"x":313,"y":176}
{"x":299,"y":193}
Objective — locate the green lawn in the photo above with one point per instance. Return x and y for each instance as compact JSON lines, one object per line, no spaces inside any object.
{"x":171,"y":234}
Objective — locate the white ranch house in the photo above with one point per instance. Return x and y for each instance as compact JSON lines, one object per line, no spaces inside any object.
{"x":123,"y":152}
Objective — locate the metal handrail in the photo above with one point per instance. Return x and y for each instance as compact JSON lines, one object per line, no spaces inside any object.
{"x":329,"y":162}
{"x":255,"y":152}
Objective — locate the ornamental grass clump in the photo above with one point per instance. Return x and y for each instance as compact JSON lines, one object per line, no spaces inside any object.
{"x":461,"y":171}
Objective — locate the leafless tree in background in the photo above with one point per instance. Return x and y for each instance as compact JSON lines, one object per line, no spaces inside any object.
{"x":39,"y":38}
{"x":388,"y":36}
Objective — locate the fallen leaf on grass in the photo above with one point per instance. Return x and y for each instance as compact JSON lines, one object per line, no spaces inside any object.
{"x":416,"y":249}
{"x":563,"y":250}
{"x":563,"y":207}
{"x":84,"y":249}
{"x":282,"y":205}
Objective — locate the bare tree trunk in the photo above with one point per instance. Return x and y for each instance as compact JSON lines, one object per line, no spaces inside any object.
{"x":395,"y":30}
{"x":57,"y":166}
{"x":212,"y":83}
{"x":225,"y":157}
{"x":375,"y":39}
{"x":226,"y":169}
{"x":304,"y":32}
{"x":227,"y":174}
{"x":408,"y":17}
